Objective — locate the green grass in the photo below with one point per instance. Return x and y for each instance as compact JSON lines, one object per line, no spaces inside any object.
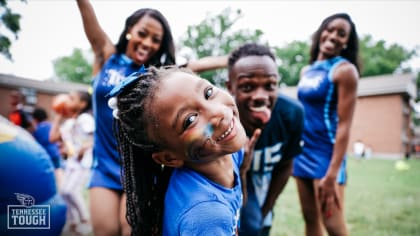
{"x":380,"y":201}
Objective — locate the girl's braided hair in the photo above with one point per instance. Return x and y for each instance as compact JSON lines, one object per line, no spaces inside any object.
{"x":145,"y":182}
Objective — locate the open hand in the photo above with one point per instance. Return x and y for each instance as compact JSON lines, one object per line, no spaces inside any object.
{"x":246,"y":163}
{"x":328,"y":196}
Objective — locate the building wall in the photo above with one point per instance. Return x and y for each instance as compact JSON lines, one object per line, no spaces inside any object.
{"x":5,"y":102}
{"x":380,"y":122}
{"x":44,"y":101}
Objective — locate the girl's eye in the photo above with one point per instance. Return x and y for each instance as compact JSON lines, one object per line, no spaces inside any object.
{"x":156,"y":40}
{"x":142,"y":34}
{"x":189,"y":120}
{"x":342,"y":33}
{"x":208,"y":92}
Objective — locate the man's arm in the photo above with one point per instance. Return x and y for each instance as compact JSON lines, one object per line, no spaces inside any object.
{"x":280,"y":176}
{"x":208,"y":63}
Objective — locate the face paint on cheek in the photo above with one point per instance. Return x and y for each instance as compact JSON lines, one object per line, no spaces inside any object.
{"x":196,"y":150}
{"x":208,"y":132}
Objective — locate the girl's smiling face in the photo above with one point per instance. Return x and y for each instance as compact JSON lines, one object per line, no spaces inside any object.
{"x":334,"y":38}
{"x":195,"y":120}
{"x":146,"y":39}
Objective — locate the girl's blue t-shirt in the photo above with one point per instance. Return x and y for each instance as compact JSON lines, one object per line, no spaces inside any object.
{"x":194,"y":205}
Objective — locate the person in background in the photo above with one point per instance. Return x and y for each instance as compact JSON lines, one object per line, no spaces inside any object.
{"x":328,"y":91}
{"x":75,"y":129}
{"x":27,"y":178}
{"x":146,"y":39}
{"x":359,"y":149}
{"x":41,"y":133}
{"x":20,"y":113}
{"x":253,"y":82}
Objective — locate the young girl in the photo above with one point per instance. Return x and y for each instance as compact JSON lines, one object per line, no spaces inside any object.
{"x":145,"y":39}
{"x":181,"y":143}
{"x":76,"y":132}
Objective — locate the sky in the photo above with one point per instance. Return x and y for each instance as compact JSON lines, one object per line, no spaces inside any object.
{"x":53,"y":28}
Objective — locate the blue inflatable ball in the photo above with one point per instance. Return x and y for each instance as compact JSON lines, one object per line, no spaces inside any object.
{"x":29,"y":201}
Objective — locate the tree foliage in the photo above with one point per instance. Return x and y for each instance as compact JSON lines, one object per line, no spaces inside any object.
{"x":11,"y":21}
{"x":378,"y":59}
{"x":291,"y":59}
{"x":74,"y":68}
{"x":215,"y":36}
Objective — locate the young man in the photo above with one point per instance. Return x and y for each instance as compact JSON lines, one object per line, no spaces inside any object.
{"x":253,"y":81}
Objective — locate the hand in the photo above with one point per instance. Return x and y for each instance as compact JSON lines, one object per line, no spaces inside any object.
{"x":328,"y":196}
{"x":246,"y":163}
{"x":249,"y":152}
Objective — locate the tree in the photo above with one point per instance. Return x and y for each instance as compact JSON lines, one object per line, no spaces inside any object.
{"x":73,"y":68}
{"x":378,"y":59}
{"x":11,"y":22}
{"x":214,"y":36}
{"x":291,"y":59}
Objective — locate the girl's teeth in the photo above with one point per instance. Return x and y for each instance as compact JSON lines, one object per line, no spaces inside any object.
{"x":226,"y":133}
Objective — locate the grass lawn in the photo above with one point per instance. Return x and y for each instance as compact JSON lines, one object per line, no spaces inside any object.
{"x":380,"y":201}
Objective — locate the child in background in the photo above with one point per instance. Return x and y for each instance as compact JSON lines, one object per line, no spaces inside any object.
{"x":41,"y":134}
{"x":181,"y":142}
{"x":76,"y":131}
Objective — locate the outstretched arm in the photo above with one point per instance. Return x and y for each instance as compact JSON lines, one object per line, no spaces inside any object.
{"x":281,"y":174}
{"x":208,"y":63}
{"x":55,"y":135}
{"x":101,"y":44}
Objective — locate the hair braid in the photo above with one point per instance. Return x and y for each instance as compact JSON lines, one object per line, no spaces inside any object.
{"x":145,"y":182}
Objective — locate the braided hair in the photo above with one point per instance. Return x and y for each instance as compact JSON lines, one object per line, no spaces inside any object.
{"x":145,"y":182}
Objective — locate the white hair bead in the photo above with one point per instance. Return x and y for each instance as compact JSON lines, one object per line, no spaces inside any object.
{"x":115,"y":113}
{"x":112,"y":103}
